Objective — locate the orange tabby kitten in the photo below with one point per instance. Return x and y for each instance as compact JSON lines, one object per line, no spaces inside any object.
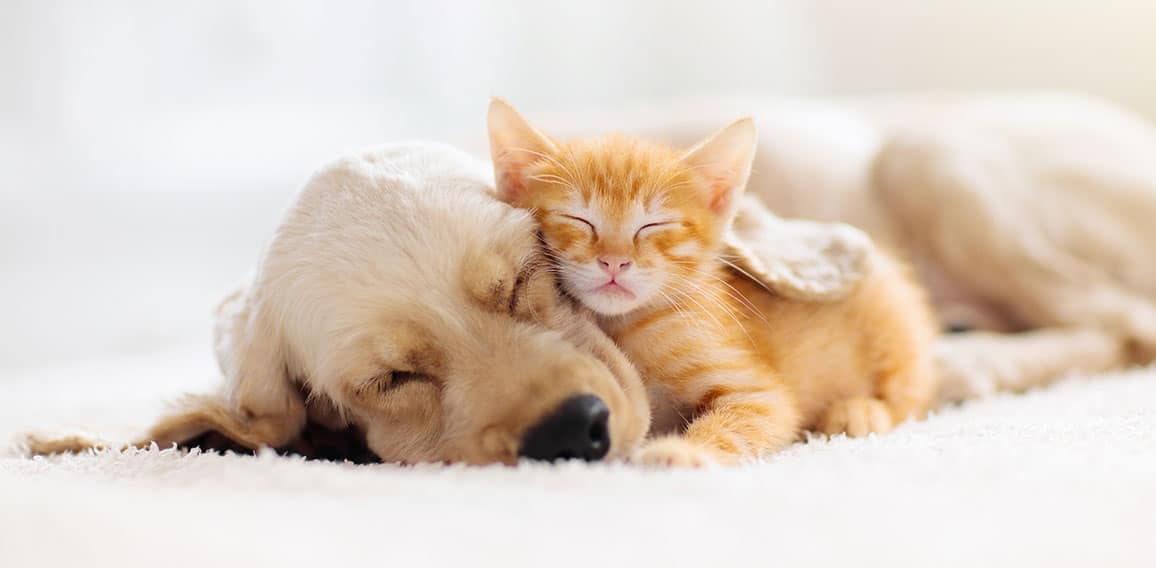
{"x":635,"y":229}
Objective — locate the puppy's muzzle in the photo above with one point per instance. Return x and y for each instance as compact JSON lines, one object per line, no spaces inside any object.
{"x":577,"y":429}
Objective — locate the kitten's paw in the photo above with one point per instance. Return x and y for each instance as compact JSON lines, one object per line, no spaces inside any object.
{"x":676,"y":452}
{"x":857,"y":417}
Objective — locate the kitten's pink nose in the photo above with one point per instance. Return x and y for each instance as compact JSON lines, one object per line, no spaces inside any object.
{"x":613,"y":265}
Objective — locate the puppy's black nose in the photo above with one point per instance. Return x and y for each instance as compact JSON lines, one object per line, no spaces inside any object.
{"x":577,"y":429}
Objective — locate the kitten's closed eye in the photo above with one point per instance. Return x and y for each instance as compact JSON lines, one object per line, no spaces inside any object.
{"x":580,"y":220}
{"x":649,"y":227}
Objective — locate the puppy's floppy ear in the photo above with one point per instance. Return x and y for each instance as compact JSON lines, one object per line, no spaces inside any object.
{"x":800,"y":260}
{"x":724,"y":163}
{"x":514,"y":145}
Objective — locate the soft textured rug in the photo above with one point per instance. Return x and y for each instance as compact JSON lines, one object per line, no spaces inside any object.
{"x":1060,"y":477}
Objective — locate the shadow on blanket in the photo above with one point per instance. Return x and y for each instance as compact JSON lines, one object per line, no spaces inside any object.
{"x":316,"y":442}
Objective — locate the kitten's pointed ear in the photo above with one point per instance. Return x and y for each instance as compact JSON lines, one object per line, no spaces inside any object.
{"x":724,"y":161}
{"x":514,"y":145}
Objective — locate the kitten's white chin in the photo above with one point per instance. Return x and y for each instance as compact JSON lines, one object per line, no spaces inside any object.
{"x":608,"y":298}
{"x":610,"y":303}
{"x":609,"y":306}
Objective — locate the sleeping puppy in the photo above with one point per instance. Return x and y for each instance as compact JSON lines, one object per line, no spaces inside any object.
{"x":400,"y":299}
{"x":1028,"y":217}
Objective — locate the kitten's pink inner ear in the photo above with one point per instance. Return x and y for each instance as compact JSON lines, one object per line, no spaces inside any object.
{"x":724,"y":163}
{"x":722,"y":192}
{"x":514,"y":146}
{"x":510,"y":176}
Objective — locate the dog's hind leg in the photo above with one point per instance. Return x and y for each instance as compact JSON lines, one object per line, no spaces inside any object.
{"x":977,"y":364}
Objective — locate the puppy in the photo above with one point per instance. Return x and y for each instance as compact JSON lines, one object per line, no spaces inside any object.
{"x":399,"y":297}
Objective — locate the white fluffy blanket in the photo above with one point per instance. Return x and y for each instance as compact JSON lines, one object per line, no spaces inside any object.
{"x":1061,"y":477}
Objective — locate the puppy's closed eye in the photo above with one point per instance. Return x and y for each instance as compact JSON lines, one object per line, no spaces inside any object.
{"x":400,"y":378}
{"x":391,"y":380}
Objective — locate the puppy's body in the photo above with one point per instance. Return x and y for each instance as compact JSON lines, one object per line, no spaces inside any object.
{"x":400,"y":297}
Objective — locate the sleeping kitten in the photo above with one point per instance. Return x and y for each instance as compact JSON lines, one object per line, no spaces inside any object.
{"x":636,"y":231}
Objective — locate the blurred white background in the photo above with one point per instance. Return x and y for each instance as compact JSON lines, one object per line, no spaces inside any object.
{"x":147,"y":148}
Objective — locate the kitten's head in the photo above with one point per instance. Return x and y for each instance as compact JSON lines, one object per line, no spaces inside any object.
{"x":629,"y":222}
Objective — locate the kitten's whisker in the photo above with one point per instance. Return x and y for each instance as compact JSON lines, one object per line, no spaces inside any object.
{"x":758,"y":281}
{"x":705,"y":311}
{"x":548,"y":158}
{"x":724,"y":305}
{"x":696,"y":330}
{"x":670,"y":175}
{"x":705,"y":292}
{"x":676,"y":307}
{"x":554,"y":179}
{"x":733,"y":292}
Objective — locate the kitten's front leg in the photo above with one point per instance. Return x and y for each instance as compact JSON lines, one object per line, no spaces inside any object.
{"x":734,"y":425}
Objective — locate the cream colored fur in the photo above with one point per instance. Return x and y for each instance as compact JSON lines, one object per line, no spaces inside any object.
{"x":800,"y":260}
{"x":400,"y":297}
{"x":1022,"y":213}
{"x":1027,"y":213}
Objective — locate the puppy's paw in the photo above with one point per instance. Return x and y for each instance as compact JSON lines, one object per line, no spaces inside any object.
{"x":676,"y":452}
{"x":962,"y":375}
{"x":491,"y":281}
{"x":857,"y":417}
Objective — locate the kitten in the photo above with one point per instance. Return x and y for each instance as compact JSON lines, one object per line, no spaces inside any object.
{"x":636,"y":230}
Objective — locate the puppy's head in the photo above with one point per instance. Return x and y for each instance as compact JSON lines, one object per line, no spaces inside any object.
{"x":422,"y":309}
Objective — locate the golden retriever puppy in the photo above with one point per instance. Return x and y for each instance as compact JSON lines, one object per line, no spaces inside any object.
{"x":399,"y":297}
{"x":1028,"y":217}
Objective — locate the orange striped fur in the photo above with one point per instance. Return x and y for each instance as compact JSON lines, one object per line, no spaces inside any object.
{"x":734,"y":372}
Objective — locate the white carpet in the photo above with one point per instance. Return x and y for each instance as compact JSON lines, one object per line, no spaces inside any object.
{"x":1061,"y":477}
